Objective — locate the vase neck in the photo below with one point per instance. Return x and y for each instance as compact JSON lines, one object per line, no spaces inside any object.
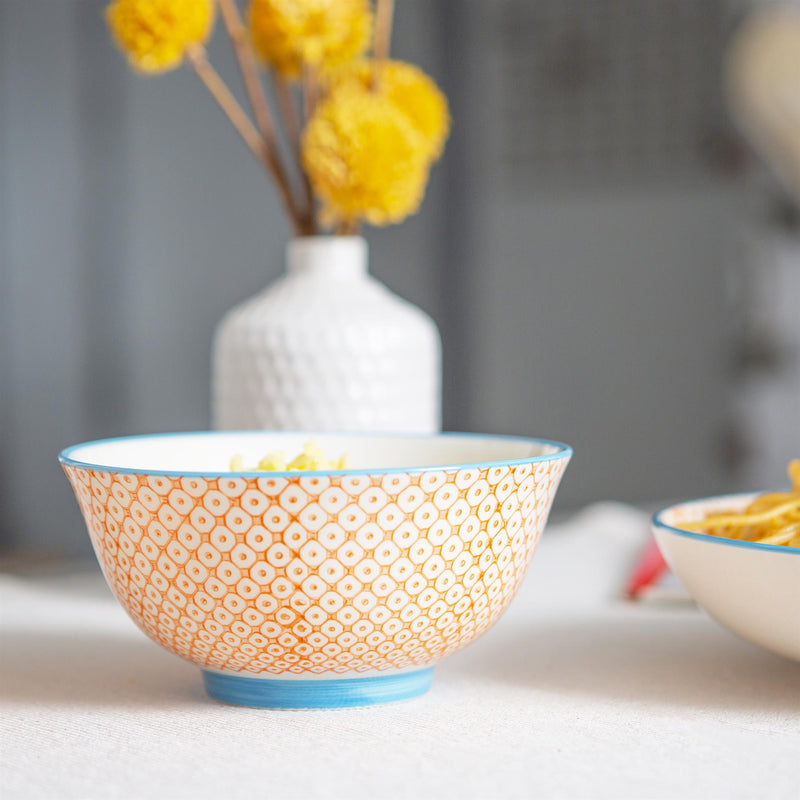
{"x":335,"y":257}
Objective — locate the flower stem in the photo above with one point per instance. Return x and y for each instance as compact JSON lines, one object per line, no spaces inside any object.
{"x":384,"y":16}
{"x":310,"y":90}
{"x":239,"y":119}
{"x":258,"y":102}
{"x":349,"y":227}
{"x":291,"y":120}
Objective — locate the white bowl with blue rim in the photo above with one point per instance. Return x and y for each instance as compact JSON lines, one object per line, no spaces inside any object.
{"x":751,"y":589}
{"x":315,"y":589}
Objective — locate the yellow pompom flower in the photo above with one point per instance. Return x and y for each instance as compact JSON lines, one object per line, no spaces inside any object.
{"x":154,"y":34}
{"x":322,"y":34}
{"x":364,"y":157}
{"x":413,"y":92}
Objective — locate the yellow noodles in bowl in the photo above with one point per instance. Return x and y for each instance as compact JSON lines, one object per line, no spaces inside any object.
{"x":312,"y":458}
{"x":772,"y":518}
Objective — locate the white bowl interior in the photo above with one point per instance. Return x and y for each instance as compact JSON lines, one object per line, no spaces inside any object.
{"x":212,"y":452}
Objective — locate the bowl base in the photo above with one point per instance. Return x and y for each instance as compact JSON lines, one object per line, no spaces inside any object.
{"x":240,"y":690}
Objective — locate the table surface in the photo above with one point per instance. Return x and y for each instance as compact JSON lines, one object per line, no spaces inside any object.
{"x":574,"y":693}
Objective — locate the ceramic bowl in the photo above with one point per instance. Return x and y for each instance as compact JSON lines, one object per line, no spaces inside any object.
{"x":315,"y":589}
{"x":751,"y":589}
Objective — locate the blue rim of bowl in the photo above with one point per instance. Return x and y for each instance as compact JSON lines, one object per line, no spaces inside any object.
{"x":563,"y":451}
{"x":658,"y":522}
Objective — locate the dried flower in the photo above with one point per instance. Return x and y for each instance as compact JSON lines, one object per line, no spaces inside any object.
{"x":154,"y":34}
{"x":322,"y":34}
{"x":364,"y":157}
{"x":413,"y":92}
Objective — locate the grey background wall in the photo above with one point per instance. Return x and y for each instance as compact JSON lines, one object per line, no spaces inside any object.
{"x":132,"y":219}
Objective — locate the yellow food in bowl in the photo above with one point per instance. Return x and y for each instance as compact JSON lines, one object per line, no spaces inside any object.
{"x":312,"y":458}
{"x":772,"y":518}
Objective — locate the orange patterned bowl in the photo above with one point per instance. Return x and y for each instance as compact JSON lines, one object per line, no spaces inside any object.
{"x":315,"y":589}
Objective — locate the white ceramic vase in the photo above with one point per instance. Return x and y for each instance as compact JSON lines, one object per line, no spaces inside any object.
{"x":327,"y":347}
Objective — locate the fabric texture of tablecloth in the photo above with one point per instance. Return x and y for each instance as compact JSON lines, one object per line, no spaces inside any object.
{"x":574,"y":693}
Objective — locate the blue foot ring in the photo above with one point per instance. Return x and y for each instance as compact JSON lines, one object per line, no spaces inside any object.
{"x":239,"y":690}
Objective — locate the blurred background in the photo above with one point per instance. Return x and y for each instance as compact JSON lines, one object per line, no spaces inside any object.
{"x":608,"y":261}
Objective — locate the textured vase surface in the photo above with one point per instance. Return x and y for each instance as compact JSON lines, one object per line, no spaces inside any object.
{"x":327,"y":347}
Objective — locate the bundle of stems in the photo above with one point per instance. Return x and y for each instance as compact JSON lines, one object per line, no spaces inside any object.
{"x":280,"y":115}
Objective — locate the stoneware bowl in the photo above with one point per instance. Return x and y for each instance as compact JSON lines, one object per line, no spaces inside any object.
{"x":315,"y":589}
{"x":752,"y":589}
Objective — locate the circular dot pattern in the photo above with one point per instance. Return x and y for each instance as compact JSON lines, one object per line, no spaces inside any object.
{"x":316,"y":575}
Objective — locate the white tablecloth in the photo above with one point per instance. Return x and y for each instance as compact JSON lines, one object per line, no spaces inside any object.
{"x":574,"y":693}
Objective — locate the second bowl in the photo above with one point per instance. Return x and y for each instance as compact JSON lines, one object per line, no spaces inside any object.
{"x":752,"y":589}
